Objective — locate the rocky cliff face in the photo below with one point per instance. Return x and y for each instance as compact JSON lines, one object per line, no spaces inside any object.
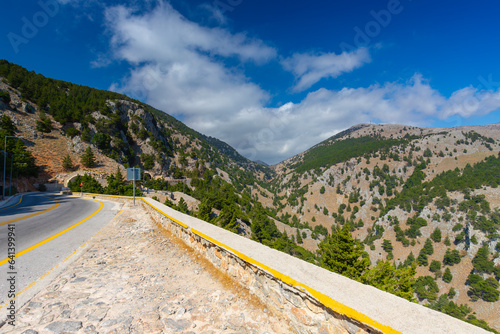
{"x":359,"y":191}
{"x":134,"y":135}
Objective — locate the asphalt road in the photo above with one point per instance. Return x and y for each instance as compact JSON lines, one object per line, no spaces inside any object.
{"x":36,"y":222}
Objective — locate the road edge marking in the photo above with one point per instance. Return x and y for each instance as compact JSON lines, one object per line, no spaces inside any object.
{"x":29,"y":249}
{"x":32,"y":284}
{"x":57,"y":203}
{"x":327,"y":301}
{"x":20,"y":200}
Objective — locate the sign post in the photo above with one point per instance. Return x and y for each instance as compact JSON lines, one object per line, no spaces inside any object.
{"x":133,"y":174}
{"x":81,"y":189}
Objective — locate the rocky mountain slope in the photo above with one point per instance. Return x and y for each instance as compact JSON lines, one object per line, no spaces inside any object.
{"x":399,"y":186}
{"x":121,"y":131}
{"x":428,"y":196}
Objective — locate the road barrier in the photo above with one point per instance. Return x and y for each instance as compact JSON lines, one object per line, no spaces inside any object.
{"x":312,"y":299}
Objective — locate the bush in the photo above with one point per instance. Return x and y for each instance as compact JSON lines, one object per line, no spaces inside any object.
{"x":426,"y":288}
{"x":5,"y":96}
{"x":451,"y":257}
{"x":482,"y":289}
{"x":42,"y":187}
{"x":435,"y":266}
{"x":447,"y":276}
{"x":72,"y":132}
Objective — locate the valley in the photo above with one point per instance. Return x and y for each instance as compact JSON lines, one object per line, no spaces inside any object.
{"x":423,"y":203}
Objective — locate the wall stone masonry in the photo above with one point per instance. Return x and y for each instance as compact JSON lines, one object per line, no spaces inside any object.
{"x":304,"y":313}
{"x":310,"y":298}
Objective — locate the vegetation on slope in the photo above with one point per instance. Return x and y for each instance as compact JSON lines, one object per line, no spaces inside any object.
{"x":18,"y":158}
{"x":325,"y":155}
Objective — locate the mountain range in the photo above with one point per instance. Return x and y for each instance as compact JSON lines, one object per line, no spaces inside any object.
{"x":410,"y":197}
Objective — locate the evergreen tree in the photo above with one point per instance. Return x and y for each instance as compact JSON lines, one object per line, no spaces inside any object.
{"x":435,"y":266}
{"x":115,"y":184}
{"x":182,"y":206}
{"x":426,"y":288}
{"x":447,"y":276}
{"x":264,"y":230}
{"x":87,"y":159}
{"x":4,"y":96}
{"x":44,"y":124}
{"x":481,"y":261}
{"x":436,"y":235}
{"x":451,"y":257}
{"x":205,"y":209}
{"x":385,"y":276}
{"x":410,"y":260}
{"x":299,"y":237}
{"x":90,"y":184}
{"x":7,"y":126}
{"x":341,"y":253}
{"x":67,"y":163}
{"x":387,"y":246}
{"x":428,"y":248}
{"x":447,"y":241}
{"x":23,"y":159}
{"x":227,"y":218}
{"x":119,"y":176}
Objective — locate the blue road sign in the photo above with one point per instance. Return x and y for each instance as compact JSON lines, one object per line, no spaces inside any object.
{"x":133,"y":174}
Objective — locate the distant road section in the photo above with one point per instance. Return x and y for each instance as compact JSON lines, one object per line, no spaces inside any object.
{"x":42,"y":230}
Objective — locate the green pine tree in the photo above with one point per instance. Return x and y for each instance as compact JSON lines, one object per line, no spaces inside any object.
{"x":447,"y":276}
{"x":87,"y":159}
{"x":436,"y":235}
{"x":385,"y":276}
{"x":44,"y":124}
{"x":299,"y":237}
{"x":227,"y":218}
{"x":341,"y":253}
{"x":67,"y":163}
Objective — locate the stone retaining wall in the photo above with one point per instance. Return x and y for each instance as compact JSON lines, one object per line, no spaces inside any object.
{"x":312,"y":299}
{"x":304,"y":313}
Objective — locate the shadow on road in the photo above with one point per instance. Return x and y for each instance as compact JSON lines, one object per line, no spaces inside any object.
{"x":32,"y":203}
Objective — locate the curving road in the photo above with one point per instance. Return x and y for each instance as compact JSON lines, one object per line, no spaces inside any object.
{"x":48,"y":228}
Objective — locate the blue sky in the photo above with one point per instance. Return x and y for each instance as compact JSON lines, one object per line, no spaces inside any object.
{"x":272,"y":78}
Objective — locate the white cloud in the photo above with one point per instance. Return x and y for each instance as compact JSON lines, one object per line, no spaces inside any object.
{"x":469,"y":101}
{"x":277,"y":134}
{"x":310,"y":68}
{"x":177,"y":63}
{"x":179,"y":66}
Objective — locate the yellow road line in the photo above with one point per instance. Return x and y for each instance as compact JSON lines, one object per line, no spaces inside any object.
{"x":53,"y":268}
{"x":33,"y":214}
{"x":322,"y":298}
{"x":163,"y":213}
{"x":20,"y":200}
{"x":75,"y":194}
{"x":54,"y":236}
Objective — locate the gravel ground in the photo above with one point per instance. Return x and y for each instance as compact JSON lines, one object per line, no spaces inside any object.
{"x":136,"y":277}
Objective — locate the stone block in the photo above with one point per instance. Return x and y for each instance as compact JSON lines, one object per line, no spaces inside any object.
{"x":332,"y":328}
{"x":302,"y":316}
{"x":314,"y":307}
{"x":218,"y":253}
